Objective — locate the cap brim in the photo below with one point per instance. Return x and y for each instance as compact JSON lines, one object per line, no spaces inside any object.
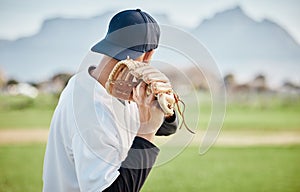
{"x":115,"y":51}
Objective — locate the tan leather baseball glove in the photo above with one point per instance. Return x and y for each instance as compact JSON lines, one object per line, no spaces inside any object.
{"x":128,"y":73}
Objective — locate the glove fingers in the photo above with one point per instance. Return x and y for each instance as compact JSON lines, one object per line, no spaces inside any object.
{"x":161,"y":87}
{"x":142,"y":71}
{"x":115,"y":74}
{"x":150,"y":74}
{"x":151,"y":77}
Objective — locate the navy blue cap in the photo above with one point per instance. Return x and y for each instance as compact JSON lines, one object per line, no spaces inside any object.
{"x":130,"y":33}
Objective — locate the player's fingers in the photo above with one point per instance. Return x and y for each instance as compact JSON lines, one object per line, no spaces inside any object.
{"x":150,"y":98}
{"x":141,"y":88}
{"x":134,"y":94}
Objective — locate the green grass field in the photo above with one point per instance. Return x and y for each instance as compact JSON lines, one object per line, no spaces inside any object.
{"x":261,"y":113}
{"x":220,"y":170}
{"x":260,"y":168}
{"x":21,"y":167}
{"x":21,"y":112}
{"x":230,"y":169}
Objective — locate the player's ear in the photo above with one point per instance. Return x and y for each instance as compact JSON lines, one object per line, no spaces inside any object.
{"x":148,"y":56}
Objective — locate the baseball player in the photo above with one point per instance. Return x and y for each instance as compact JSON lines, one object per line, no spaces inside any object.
{"x":98,"y":142}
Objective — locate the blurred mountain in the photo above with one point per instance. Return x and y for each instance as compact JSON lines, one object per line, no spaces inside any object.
{"x":238,"y":43}
{"x":243,"y":45}
{"x":60,"y":45}
{"x":233,"y":35}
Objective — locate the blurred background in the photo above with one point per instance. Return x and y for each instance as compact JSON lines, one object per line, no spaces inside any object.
{"x":256,"y":45}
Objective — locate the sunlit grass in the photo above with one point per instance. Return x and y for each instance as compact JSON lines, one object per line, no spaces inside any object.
{"x":21,"y":168}
{"x":229,"y":169}
{"x":222,"y":169}
{"x":23,"y":112}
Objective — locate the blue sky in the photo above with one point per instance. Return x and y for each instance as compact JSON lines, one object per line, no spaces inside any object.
{"x":24,"y":17}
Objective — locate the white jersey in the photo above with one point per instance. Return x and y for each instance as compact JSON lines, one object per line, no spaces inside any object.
{"x":90,"y":135}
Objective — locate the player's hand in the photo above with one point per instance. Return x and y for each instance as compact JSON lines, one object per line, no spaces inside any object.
{"x":151,"y":115}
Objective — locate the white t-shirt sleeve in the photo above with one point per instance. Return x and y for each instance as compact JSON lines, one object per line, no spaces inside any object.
{"x":93,"y":172}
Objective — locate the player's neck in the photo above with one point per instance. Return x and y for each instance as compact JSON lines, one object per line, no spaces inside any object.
{"x":103,"y":70}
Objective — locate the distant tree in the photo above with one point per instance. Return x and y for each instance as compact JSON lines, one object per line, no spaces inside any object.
{"x":229,"y":80}
{"x":12,"y":82}
{"x":61,"y":77}
{"x":290,"y":85}
{"x":259,"y":83}
{"x":56,"y":84}
{"x":34,"y":84}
